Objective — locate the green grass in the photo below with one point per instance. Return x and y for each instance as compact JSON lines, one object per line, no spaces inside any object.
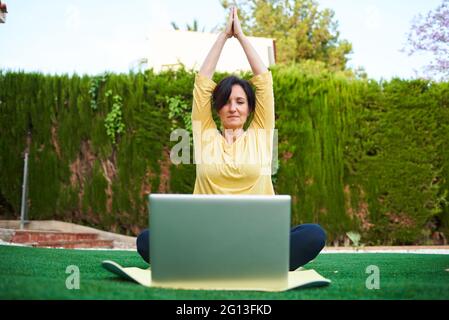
{"x":35,"y":273}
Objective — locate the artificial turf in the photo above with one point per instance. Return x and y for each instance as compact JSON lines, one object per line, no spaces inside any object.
{"x":37,"y":273}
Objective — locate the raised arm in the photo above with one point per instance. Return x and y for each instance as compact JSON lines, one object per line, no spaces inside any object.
{"x":210,"y":63}
{"x":203,"y":87}
{"x":262,"y":80}
{"x":257,"y":65}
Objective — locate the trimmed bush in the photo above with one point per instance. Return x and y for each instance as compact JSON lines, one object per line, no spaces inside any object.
{"x":355,"y":155}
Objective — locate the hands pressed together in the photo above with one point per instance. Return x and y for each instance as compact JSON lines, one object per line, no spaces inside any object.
{"x":233,"y":27}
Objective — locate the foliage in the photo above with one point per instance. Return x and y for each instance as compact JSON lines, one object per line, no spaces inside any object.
{"x":179,"y":113}
{"x":301,"y":30}
{"x":113,"y":122}
{"x":193,"y":27}
{"x":354,"y":237}
{"x":95,"y":84}
{"x":354,"y":154}
{"x":430,"y":33}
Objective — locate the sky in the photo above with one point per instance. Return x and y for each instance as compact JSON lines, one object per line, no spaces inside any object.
{"x":93,"y":36}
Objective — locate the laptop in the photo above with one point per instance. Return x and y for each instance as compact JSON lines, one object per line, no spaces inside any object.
{"x":219,"y":242}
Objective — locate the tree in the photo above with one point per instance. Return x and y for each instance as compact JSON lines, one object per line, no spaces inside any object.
{"x":301,"y":30}
{"x":430,"y":33}
{"x":192,"y":27}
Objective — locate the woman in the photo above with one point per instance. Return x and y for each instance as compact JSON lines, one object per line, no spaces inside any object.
{"x":236,"y":161}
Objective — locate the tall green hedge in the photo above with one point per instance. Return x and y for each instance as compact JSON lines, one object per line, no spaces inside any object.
{"x":356,"y":155}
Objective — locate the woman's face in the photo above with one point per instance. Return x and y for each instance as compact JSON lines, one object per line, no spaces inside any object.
{"x":234,"y":113}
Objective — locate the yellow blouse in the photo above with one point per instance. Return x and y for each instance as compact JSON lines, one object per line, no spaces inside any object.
{"x":243,"y":167}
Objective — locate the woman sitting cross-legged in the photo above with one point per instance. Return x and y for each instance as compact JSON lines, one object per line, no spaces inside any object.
{"x":242,"y":161}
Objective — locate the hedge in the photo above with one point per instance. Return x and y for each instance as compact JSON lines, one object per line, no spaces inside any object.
{"x":355,"y":154}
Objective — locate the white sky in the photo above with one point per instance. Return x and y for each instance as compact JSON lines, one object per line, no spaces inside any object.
{"x":87,"y":36}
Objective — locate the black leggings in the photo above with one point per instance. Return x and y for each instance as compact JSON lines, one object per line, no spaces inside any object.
{"x":306,"y":242}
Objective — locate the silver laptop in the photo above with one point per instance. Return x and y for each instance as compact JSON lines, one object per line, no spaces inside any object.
{"x":219,"y":241}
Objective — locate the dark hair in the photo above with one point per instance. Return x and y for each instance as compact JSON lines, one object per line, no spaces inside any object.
{"x":223,"y":90}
